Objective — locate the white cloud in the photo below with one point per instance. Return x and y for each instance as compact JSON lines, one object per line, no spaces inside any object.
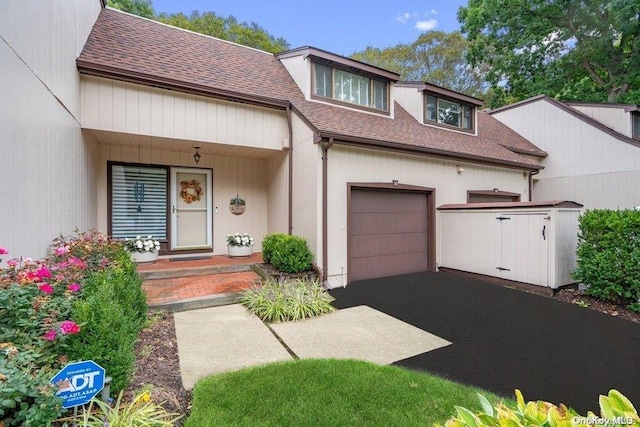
{"x":426,"y":25}
{"x":403,"y":17}
{"x":434,"y":12}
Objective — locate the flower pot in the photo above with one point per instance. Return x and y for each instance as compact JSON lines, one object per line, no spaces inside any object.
{"x":237,"y":209}
{"x":239,"y":251}
{"x":144,"y":257}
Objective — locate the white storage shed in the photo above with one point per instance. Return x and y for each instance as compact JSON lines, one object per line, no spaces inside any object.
{"x":529,"y":242}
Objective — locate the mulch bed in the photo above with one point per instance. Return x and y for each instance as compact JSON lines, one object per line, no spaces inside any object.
{"x":158,"y":364}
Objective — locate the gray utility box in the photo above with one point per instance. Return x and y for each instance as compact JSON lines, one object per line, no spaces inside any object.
{"x":529,"y":242}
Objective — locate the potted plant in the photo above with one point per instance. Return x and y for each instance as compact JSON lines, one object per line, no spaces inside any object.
{"x":237,"y":206}
{"x":239,"y":245}
{"x":143,"y":249}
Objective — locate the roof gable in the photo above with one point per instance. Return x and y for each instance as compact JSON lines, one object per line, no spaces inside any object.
{"x":567,"y":109}
{"x":130,"y":48}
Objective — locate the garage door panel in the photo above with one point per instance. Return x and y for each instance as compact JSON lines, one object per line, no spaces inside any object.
{"x":385,"y":201}
{"x":388,"y":244}
{"x":388,"y":265}
{"x":384,"y":223}
{"x":387,"y":233}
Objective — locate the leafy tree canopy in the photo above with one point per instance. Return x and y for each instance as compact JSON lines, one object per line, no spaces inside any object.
{"x":585,"y":50}
{"x":435,"y":57}
{"x":208,"y":23}
{"x":142,"y":8}
{"x":252,"y":35}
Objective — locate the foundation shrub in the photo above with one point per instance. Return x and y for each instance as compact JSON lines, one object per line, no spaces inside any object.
{"x":269,"y":244}
{"x":291,"y":254}
{"x":609,"y":255}
{"x":112,"y":312}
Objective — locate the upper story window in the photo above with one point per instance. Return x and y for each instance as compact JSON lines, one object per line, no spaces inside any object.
{"x":352,"y":88}
{"x":635,"y":117}
{"x":448,"y":112}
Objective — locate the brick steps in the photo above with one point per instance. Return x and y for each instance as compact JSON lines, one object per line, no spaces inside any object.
{"x":189,"y":284}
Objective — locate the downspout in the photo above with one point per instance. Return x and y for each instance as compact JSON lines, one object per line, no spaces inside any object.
{"x":325,"y":208}
{"x":290,"y":169}
{"x":531,"y":173}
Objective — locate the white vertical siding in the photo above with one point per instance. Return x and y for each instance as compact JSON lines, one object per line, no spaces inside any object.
{"x":278,"y":193}
{"x":411,"y":100}
{"x":614,"y":117}
{"x":307,"y":187}
{"x":244,"y":177}
{"x":110,"y":105}
{"x":350,"y":164}
{"x":585,"y":164}
{"x":300,"y":70}
{"x":47,"y":165}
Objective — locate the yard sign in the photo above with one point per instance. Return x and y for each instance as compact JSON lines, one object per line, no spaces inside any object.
{"x":79,"y":382}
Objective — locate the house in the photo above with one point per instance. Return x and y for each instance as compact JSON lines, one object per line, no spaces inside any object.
{"x":130,"y":126}
{"x":593,"y":150}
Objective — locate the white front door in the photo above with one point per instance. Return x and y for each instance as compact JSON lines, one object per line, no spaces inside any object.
{"x":191,"y":213}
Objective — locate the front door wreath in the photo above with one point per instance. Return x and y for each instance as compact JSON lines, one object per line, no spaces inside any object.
{"x":190,"y":191}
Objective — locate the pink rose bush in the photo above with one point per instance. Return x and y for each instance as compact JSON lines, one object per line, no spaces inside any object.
{"x":63,"y":308}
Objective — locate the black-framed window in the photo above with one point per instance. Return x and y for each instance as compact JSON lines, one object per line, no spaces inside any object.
{"x":448,"y":112}
{"x":635,"y":118}
{"x":348,"y":87}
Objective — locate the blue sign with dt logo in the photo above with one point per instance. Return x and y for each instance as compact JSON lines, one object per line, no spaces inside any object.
{"x":79,"y":382}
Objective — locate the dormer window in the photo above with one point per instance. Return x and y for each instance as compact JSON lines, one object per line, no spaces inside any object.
{"x":349,"y":87}
{"x":448,"y":112}
{"x":635,"y":118}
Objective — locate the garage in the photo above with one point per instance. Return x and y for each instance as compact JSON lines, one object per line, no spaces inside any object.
{"x":389,"y":232}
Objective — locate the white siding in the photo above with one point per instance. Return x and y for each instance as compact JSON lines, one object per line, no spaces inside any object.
{"x":300,"y":70}
{"x":114,"y":106}
{"x":585,"y":164}
{"x":350,"y":164}
{"x":278,"y":193}
{"x":47,"y":164}
{"x":614,"y":117}
{"x":307,"y":187}
{"x":411,"y":100}
{"x":231,"y":176}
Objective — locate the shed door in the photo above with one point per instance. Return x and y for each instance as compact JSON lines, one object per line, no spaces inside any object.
{"x":387,"y":233}
{"x":524,"y":248}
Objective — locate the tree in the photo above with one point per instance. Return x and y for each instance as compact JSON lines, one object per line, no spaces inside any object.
{"x":229,"y":28}
{"x":563,"y":48}
{"x":142,"y":8}
{"x":435,"y":57}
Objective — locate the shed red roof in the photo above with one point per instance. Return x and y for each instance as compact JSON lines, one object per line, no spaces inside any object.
{"x":127,"y":47}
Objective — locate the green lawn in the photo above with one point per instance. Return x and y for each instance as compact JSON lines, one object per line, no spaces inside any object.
{"x":328,"y":393}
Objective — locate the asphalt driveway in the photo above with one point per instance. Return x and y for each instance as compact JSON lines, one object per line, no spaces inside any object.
{"x":505,"y":339}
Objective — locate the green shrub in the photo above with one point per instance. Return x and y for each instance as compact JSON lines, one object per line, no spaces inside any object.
{"x":289,"y":300}
{"x":291,"y":254}
{"x":609,"y":255}
{"x":615,"y":409}
{"x":112,"y":313}
{"x":269,"y":243}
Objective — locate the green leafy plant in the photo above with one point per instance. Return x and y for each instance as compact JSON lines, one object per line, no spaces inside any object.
{"x":141,"y":411}
{"x":291,"y":254}
{"x":288,"y":300}
{"x":113,"y":311}
{"x":615,"y":410}
{"x":269,"y":244}
{"x":609,"y":255}
{"x":582,"y":304}
{"x":237,"y":201}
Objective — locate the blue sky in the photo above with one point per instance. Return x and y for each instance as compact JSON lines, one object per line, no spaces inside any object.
{"x":341,"y":27}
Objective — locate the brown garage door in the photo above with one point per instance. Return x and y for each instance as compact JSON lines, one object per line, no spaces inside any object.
{"x":387,"y":233}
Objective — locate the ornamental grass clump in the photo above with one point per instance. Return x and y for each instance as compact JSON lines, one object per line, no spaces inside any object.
{"x":288,"y":300}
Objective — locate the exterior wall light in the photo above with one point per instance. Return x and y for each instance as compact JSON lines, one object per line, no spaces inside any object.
{"x":197,"y":156}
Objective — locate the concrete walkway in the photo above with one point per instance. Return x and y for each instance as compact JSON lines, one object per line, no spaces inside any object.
{"x":221,"y":339}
